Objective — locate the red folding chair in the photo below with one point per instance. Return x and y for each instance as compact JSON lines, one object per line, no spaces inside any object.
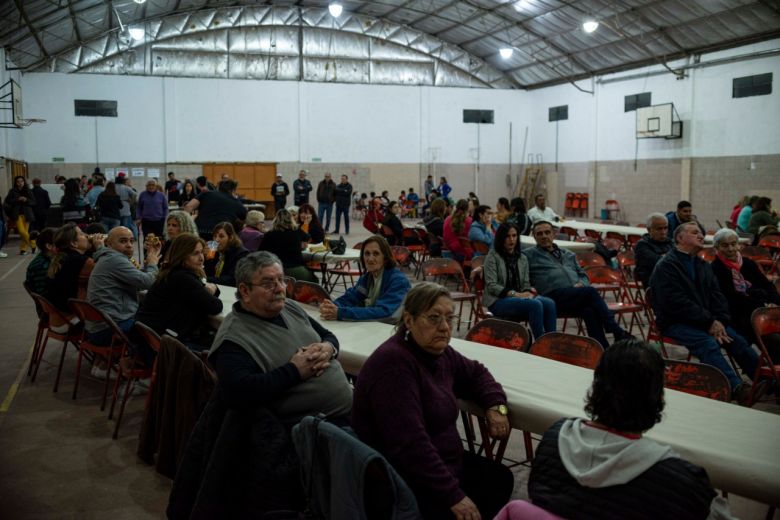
{"x":309,"y":293}
{"x":570,"y":231}
{"x":342,"y":271}
{"x":71,"y":334}
{"x":590,"y":259}
{"x":477,"y":278}
{"x":111,"y":352}
{"x":707,"y":254}
{"x":43,"y":325}
{"x":401,"y":255}
{"x":766,"y":320}
{"x":697,"y":379}
{"x":605,"y":279}
{"x":581,"y":351}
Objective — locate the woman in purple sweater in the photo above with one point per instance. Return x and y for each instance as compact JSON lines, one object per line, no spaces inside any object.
{"x":405,"y":406}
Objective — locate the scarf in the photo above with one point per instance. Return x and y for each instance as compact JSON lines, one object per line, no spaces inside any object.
{"x":512,"y":272}
{"x":220,"y":265}
{"x":740,"y":284}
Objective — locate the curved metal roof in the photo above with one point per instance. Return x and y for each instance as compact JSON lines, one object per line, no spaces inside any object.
{"x":409,"y":42}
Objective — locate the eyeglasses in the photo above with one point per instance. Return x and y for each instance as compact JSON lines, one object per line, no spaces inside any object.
{"x":436,"y":320}
{"x":269,"y":285}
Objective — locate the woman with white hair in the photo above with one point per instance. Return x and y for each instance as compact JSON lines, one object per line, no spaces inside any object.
{"x":741,"y":281}
{"x":252,"y":232}
{"x":178,"y":222}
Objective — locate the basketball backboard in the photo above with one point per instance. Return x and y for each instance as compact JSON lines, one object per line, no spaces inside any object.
{"x":11,"y":105}
{"x":658,"y":121}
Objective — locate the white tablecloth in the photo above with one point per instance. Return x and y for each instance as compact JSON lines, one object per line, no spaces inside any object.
{"x":329,"y":258}
{"x":737,"y":446}
{"x":624,"y":230}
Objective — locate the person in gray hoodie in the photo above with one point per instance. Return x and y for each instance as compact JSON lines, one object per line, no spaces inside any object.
{"x":604,"y":468}
{"x":115,"y":281}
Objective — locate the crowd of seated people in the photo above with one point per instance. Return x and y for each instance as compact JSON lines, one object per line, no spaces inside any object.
{"x":269,"y":353}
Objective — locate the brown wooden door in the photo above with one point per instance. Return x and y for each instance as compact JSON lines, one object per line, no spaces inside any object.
{"x":254,"y":179}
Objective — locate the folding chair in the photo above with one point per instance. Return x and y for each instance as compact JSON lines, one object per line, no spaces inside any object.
{"x":581,"y":351}
{"x":401,"y":255}
{"x":43,"y":325}
{"x":343,"y":270}
{"x":480,"y":247}
{"x":502,"y":334}
{"x":447,"y":270}
{"x":71,"y":334}
{"x":416,"y":245}
{"x":632,"y":240}
{"x":697,"y":379}
{"x":772,"y":243}
{"x":111,"y":352}
{"x":589,"y":258}
{"x":570,"y":231}
{"x":766,"y":320}
{"x":618,"y":238}
{"x":605,"y":279}
{"x":477,"y":279}
{"x":592,"y":233}
{"x":309,"y":293}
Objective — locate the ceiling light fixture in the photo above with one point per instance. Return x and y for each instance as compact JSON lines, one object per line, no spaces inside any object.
{"x":506,"y":52}
{"x":522,"y":5}
{"x":589,"y":26}
{"x":137,"y":33}
{"x":335,"y":9}
{"x":140,"y":1}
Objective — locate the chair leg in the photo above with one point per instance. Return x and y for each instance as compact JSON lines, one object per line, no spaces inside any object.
{"x":469,"y":429}
{"x":36,"y":348}
{"x":39,"y":357}
{"x":78,"y":373}
{"x":122,"y":407}
{"x":115,"y":393}
{"x":109,"y":366}
{"x":529,"y":447}
{"x":62,"y":362}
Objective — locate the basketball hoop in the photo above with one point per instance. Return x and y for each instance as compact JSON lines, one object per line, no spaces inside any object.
{"x":28,"y":122}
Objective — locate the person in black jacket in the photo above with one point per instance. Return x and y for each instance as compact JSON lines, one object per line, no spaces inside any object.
{"x":279,"y":191}
{"x":222,"y":268}
{"x":181,"y":300}
{"x":652,"y":247}
{"x":301,"y":189}
{"x":286,"y":240}
{"x":109,"y":205}
{"x":691,"y":309}
{"x":743,"y":284}
{"x":343,"y":201}
{"x":434,"y":223}
{"x":19,"y":204}
{"x":42,"y":205}
{"x":216,"y":206}
{"x":393,"y":223}
{"x":604,"y":468}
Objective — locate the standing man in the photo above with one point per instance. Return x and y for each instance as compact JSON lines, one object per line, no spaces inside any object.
{"x":652,"y":247}
{"x":173,"y":188}
{"x":98,"y":186}
{"x":556,"y":274}
{"x":42,"y":205}
{"x":326,"y":194}
{"x":429,"y":187}
{"x":279,"y":191}
{"x":128,"y":197}
{"x":683,"y":214}
{"x":301,"y":189}
{"x":690,"y":308}
{"x":343,"y":200}
{"x":152,"y":209}
{"x":541,"y":212}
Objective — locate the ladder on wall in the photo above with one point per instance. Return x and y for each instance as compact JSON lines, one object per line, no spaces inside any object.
{"x":532,"y":180}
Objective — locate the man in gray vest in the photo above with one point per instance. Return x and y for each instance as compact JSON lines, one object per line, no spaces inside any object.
{"x":269,"y":352}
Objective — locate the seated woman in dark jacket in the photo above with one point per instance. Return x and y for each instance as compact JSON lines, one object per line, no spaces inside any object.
{"x":741,"y":282}
{"x":393,"y":224}
{"x":221,"y":269}
{"x":286,"y":241}
{"x":604,"y":468}
{"x":70,"y":266}
{"x":310,"y":224}
{"x":181,"y":300}
{"x":434,"y":223}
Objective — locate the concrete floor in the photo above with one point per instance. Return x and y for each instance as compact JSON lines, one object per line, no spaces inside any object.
{"x":57,"y":458}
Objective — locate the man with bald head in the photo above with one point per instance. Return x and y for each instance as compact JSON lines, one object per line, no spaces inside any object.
{"x":115,"y":281}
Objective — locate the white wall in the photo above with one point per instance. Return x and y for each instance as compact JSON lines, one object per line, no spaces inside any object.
{"x":193,"y":120}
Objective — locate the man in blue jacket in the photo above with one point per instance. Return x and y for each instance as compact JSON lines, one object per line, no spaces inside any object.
{"x":690,"y":308}
{"x":556,"y":274}
{"x":683,"y":214}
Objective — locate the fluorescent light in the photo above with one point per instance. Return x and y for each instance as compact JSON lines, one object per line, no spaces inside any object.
{"x":140,"y":1}
{"x":522,"y":5}
{"x":506,"y":52}
{"x":590,"y":25}
{"x":137,"y":33}
{"x":335,"y":9}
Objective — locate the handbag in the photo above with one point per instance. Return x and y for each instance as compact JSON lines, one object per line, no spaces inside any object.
{"x":338,"y":247}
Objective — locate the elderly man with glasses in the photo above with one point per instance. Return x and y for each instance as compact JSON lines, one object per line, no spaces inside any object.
{"x":269,"y":352}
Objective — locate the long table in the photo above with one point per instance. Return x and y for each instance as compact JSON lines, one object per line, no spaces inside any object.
{"x":526,"y":241}
{"x":736,"y":445}
{"x":623,"y":230}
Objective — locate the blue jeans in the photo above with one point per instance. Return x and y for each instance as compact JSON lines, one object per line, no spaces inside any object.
{"x":539,"y":311}
{"x":704,"y":347}
{"x":110,"y":223}
{"x":345,"y":212}
{"x":322,"y":209}
{"x":129,"y":223}
{"x":2,"y":232}
{"x":587,"y":303}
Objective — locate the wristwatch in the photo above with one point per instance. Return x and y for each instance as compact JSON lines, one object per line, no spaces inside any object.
{"x":501,"y":408}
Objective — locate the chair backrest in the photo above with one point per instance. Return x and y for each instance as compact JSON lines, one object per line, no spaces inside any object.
{"x":771,"y":242}
{"x":592,"y":233}
{"x":308,"y":292}
{"x":633,"y":239}
{"x":401,"y":254}
{"x":568,"y":231}
{"x":567,"y":348}
{"x":38,"y":307}
{"x":707,"y":254}
{"x":589,"y":258}
{"x":765,"y":320}
{"x":698,"y":379}
{"x":442,"y":270}
{"x":88,"y":312}
{"x":499,"y":333}
{"x":480,"y":247}
{"x":755,"y":252}
{"x":149,"y":336}
{"x":49,"y":308}
{"x":615,"y":235}
{"x":603,"y":274}
{"x":626,"y":259}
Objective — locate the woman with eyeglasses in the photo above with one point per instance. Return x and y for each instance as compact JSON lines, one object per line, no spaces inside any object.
{"x":378,"y":293}
{"x":181,"y":300}
{"x":406,"y":407}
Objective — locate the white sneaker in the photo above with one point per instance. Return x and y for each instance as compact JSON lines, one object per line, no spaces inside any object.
{"x":3,"y":255}
{"x":100,"y":373}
